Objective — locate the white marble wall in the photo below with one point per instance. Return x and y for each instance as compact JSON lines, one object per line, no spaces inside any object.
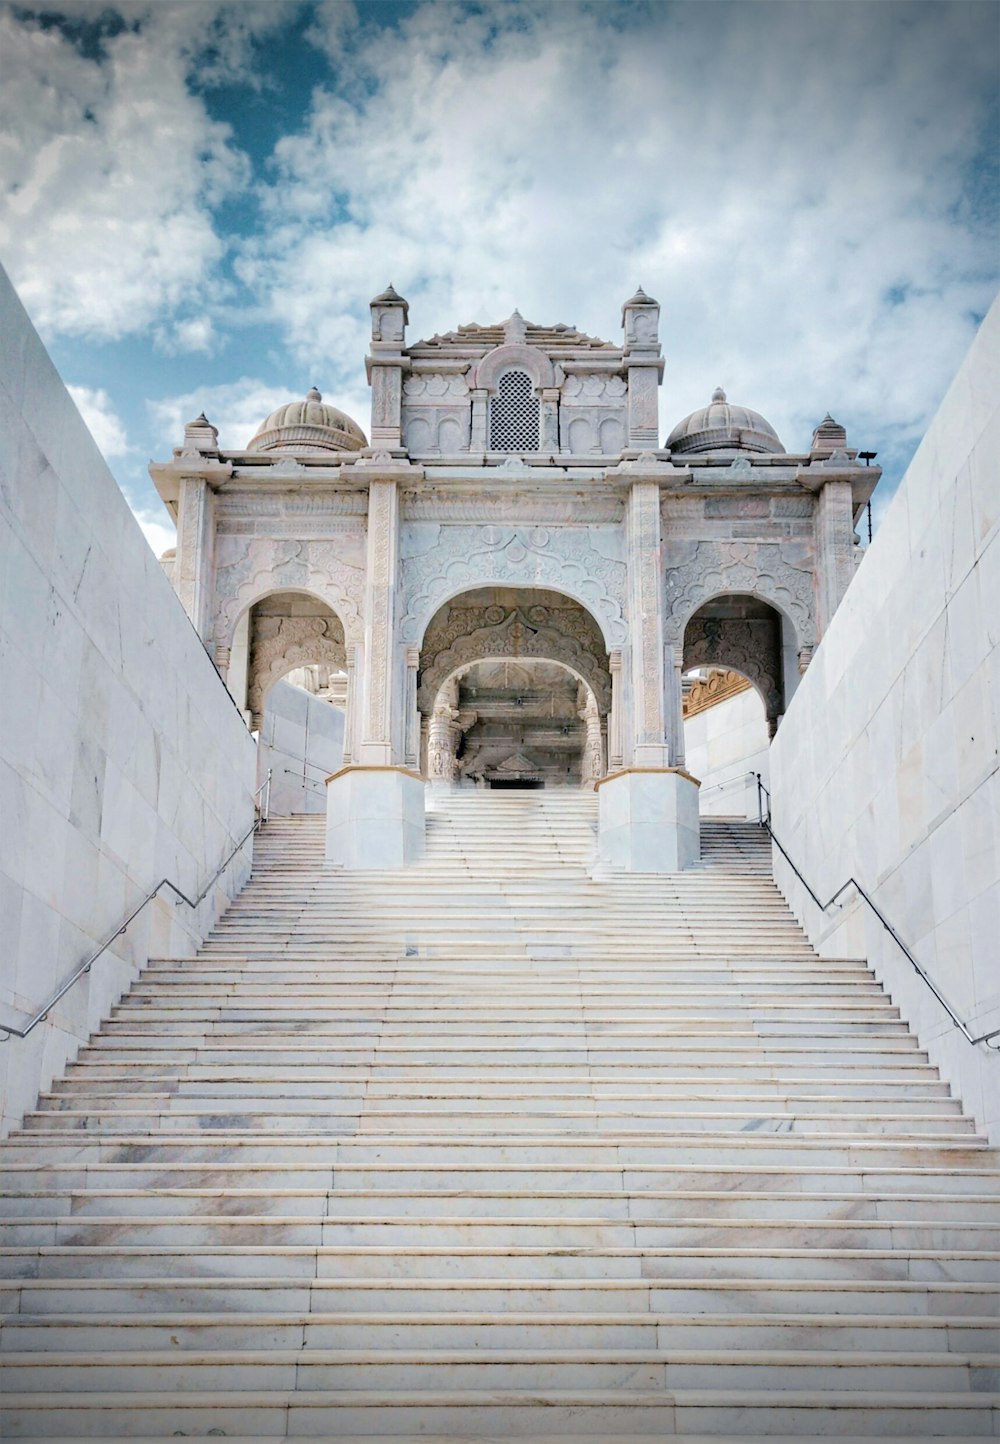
{"x":722,"y":744}
{"x":302,"y":742}
{"x":122,"y":756}
{"x":886,"y":765}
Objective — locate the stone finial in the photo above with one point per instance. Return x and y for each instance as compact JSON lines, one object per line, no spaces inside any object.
{"x":718,"y":394}
{"x":641,"y":319}
{"x":201,"y":436}
{"x":314,"y":394}
{"x":515,"y":329}
{"x":390,"y":313}
{"x":828,"y":437}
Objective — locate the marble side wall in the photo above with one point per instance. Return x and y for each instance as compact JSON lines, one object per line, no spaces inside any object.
{"x":302,"y":741}
{"x":887,"y":764}
{"x":721,"y":745}
{"x":122,"y":755}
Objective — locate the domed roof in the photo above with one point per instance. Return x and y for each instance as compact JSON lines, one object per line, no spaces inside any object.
{"x":722,"y":427}
{"x":309,"y":426}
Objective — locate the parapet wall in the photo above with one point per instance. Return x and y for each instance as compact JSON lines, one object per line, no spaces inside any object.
{"x":886,"y":765}
{"x":122,"y":756}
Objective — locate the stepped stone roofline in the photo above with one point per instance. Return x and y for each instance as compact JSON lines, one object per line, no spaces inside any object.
{"x":487,"y":338}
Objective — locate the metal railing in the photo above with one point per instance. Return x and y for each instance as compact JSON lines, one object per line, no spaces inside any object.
{"x":764,"y":820}
{"x":261,"y":802}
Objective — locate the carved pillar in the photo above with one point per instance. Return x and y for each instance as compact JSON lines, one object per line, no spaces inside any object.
{"x":380,"y":596}
{"x":352,"y":701}
{"x":673,"y":668}
{"x":835,"y":564}
{"x":411,"y":742}
{"x":193,"y":569}
{"x":643,"y":412}
{"x":615,"y":748}
{"x":223,"y":655}
{"x":478,"y":439}
{"x":549,"y":433}
{"x":648,"y":741}
{"x":592,"y":766}
{"x":443,"y":735}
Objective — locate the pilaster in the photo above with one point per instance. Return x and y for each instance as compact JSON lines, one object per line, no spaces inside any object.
{"x":649,"y":742}
{"x":644,"y":369}
{"x":193,"y":569}
{"x":380,"y":594}
{"x":835,"y":549}
{"x":385,"y":366}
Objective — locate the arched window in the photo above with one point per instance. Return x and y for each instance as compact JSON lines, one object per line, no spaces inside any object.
{"x":514,"y":414}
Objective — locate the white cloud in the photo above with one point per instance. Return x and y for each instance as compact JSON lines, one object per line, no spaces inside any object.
{"x":110,"y":166}
{"x":236,"y":409}
{"x":103,"y":423}
{"x":159,"y":533}
{"x":773,"y":173}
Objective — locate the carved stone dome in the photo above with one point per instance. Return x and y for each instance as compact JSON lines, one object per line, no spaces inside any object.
{"x":308,"y":426}
{"x":722,"y":427}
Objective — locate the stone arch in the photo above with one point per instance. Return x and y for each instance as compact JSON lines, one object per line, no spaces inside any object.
{"x":289,"y":628}
{"x":743,"y":633}
{"x":322,"y":569}
{"x":512,"y":357}
{"x":511,"y":622}
{"x":753,"y":569}
{"x":467,"y":557}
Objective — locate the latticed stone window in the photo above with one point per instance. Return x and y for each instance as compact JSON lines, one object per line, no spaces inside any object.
{"x":514,"y":414}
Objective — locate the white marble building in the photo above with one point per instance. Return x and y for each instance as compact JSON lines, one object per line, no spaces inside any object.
{"x":515,"y":509}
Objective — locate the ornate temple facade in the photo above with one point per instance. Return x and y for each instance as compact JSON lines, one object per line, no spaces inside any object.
{"x":514,"y":574}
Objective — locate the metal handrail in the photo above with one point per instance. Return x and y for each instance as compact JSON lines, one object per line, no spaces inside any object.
{"x":262,"y":805}
{"x":306,"y":781}
{"x":764,"y":820}
{"x":729,"y":782}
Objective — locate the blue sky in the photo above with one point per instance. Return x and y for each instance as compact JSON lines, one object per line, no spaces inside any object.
{"x":199,"y":198}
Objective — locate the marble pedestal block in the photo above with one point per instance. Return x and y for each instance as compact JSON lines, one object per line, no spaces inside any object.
{"x":374,"y":817}
{"x":648,"y":820}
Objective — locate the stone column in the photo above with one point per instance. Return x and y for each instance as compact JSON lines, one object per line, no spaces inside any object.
{"x":673,"y":668}
{"x":592,"y":766}
{"x":380,"y":597}
{"x":615,"y":747}
{"x":835,"y":552}
{"x":479,"y":396}
{"x":194,"y":567}
{"x":443,"y":733}
{"x":549,"y":430}
{"x":352,"y":701}
{"x":411,"y":735}
{"x":648,"y":742}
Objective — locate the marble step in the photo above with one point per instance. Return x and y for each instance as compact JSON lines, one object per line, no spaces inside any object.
{"x":704,"y":1206}
{"x":305,"y":1261}
{"x":719,"y":1298}
{"x":501,"y":1370}
{"x":631,"y":1179}
{"x":474,"y":1414}
{"x":821,"y":1333}
{"x":444,"y":1231}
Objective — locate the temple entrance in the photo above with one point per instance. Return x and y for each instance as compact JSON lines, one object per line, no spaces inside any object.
{"x":514,"y":692}
{"x":743,"y":634}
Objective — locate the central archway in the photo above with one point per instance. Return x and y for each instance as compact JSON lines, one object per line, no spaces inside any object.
{"x":514,"y":685}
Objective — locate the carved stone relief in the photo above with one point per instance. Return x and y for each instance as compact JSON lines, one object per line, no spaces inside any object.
{"x":751,"y":647}
{"x":279,"y":644}
{"x":456,"y":558}
{"x":778,"y":573}
{"x":462,"y":635}
{"x":251,"y":568}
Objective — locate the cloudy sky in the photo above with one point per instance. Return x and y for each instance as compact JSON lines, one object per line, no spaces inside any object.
{"x":198,"y":199}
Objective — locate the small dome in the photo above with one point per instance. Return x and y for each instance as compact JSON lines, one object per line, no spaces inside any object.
{"x":720,"y":426}
{"x":308,"y":426}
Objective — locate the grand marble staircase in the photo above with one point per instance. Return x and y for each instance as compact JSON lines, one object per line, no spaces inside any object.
{"x":494,"y":1149}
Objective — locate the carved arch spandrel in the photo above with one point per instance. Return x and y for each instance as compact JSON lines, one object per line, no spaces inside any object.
{"x":265,"y":565}
{"x":751,"y":648}
{"x":280,"y":644}
{"x":537,"y":633}
{"x":715,"y":568}
{"x":561,"y":559}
